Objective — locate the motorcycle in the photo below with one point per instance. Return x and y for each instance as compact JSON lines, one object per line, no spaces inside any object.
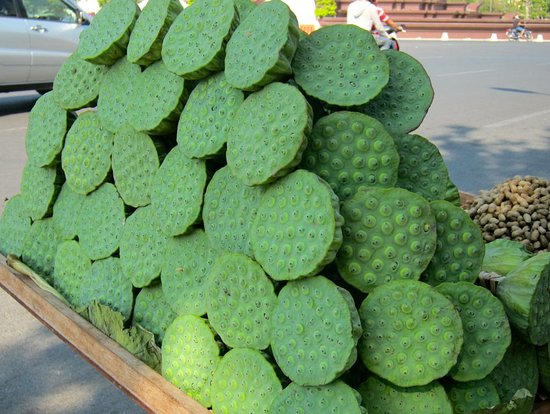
{"x":513,"y":34}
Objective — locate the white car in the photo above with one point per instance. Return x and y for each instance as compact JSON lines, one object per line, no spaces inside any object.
{"x":36,"y":36}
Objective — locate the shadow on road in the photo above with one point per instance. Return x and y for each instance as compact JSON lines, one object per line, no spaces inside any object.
{"x":514,"y":90}
{"x":16,"y":103}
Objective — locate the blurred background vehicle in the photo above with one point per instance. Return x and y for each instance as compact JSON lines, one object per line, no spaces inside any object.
{"x":36,"y":36}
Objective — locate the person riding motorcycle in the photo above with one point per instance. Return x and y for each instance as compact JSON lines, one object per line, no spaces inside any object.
{"x":364,"y":14}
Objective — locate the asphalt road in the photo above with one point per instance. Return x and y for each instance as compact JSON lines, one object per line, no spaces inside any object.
{"x":490,"y":119}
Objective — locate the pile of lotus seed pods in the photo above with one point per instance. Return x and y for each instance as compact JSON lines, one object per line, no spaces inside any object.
{"x":256,"y":197}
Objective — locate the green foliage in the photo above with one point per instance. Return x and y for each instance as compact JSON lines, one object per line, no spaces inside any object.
{"x":326,"y":8}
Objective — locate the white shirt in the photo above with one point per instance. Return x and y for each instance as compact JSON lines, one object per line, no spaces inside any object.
{"x":364,"y":14}
{"x":304,"y":11}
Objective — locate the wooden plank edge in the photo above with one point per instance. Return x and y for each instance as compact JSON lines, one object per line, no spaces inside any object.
{"x":140,"y":382}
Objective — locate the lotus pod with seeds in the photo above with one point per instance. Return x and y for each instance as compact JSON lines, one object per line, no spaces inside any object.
{"x":336,"y":397}
{"x":116,"y":94}
{"x":404,"y":102}
{"x":39,"y":189}
{"x":412,"y":334}
{"x":177,"y":192}
{"x":525,"y":293}
{"x":135,"y":161}
{"x":486,"y":329}
{"x":460,"y":247}
{"x":543,"y":358}
{"x":66,"y":212}
{"x":142,"y":245}
{"x":349,"y":67}
{"x":86,"y":156}
{"x":298,"y":227}
{"x":40,"y":246}
{"x":268,"y":134}
{"x":106,"y":283}
{"x":241,"y":299}
{"x":244,"y":382}
{"x":350,"y":151}
{"x":194,"y":46}
{"x":389,"y":233}
{"x":230,"y":207}
{"x":422,"y":169}
{"x":187,"y":262}
{"x":15,"y":223}
{"x":262,"y":47}
{"x":471,"y":396}
{"x":190,"y":355}
{"x":152,"y":311}
{"x":106,"y":40}
{"x":145,"y":44}
{"x":101,"y":222}
{"x":503,"y":255}
{"x":244,"y":7}
{"x":314,"y":336}
{"x":48,"y":124}
{"x":382,"y":397}
{"x":76,"y":84}
{"x":71,"y":266}
{"x":157,"y":101}
{"x":204,"y":122}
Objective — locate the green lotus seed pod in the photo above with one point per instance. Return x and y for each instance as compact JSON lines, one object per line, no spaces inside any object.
{"x":382,"y":397}
{"x":349,"y":67}
{"x":468,"y":397}
{"x":40,"y":246}
{"x":503,"y":255}
{"x":412,"y":334}
{"x":187,"y":262}
{"x":190,"y":355}
{"x":152,"y":311}
{"x":71,"y":266}
{"x":336,"y":397}
{"x":39,"y":189}
{"x":460,"y":246}
{"x":268,"y":134}
{"x":15,"y":223}
{"x":194,"y":46}
{"x":244,"y":382}
{"x":543,"y":358}
{"x":350,"y":151}
{"x":262,"y":47}
{"x":230,"y":207}
{"x":241,"y":299}
{"x":487,"y":332}
{"x":204,"y":123}
{"x":86,"y":156}
{"x":244,"y":7}
{"x":409,"y":88}
{"x":313,"y":335}
{"x":145,"y":44}
{"x":389,"y":234}
{"x":106,"y":40}
{"x":297,"y":230}
{"x":66,"y":212}
{"x":422,"y":169}
{"x":76,"y":84}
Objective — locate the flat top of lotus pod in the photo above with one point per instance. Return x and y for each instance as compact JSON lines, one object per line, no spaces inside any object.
{"x":389,"y":233}
{"x":262,"y":46}
{"x":460,"y":246}
{"x":115,"y":94}
{"x":142,"y":245}
{"x":190,"y":355}
{"x":268,"y":133}
{"x":341,"y":65}
{"x":14,"y":225}
{"x":229,"y":209}
{"x":76,"y":84}
{"x":381,"y":396}
{"x":312,"y":339}
{"x":240,"y":299}
{"x":109,"y":28}
{"x":135,"y":161}
{"x":177,"y":192}
{"x":204,"y":122}
{"x":197,"y":35}
{"x":409,"y":88}
{"x":422,"y":169}
{"x":39,"y":187}
{"x":40,"y":246}
{"x":86,"y":156}
{"x":187,"y":261}
{"x":336,"y":397}
{"x":48,"y":123}
{"x":244,"y":382}
{"x":297,"y":229}
{"x":71,"y":267}
{"x":468,"y":397}
{"x":350,"y":150}
{"x":412,"y":334}
{"x":66,"y":212}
